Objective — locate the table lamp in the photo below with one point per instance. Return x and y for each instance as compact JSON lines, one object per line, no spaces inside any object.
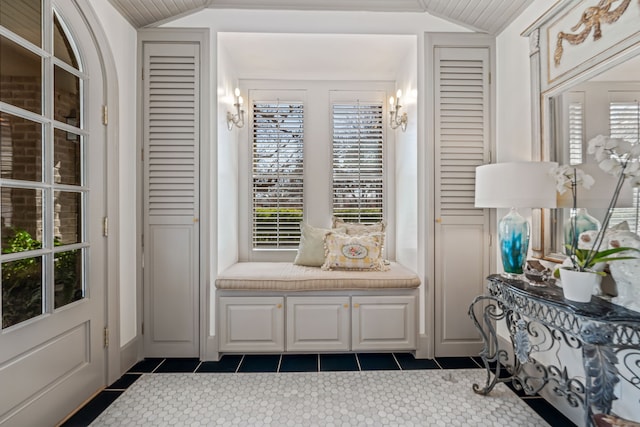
{"x":515,"y":185}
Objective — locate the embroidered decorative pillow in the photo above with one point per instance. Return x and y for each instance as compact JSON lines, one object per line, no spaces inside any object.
{"x":354,"y":252}
{"x":311,"y":247}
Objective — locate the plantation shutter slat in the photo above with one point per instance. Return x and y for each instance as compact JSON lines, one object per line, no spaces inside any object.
{"x":277,"y":173}
{"x":624,"y":123}
{"x":358,"y":161}
{"x":171,"y":129}
{"x":461,"y":131}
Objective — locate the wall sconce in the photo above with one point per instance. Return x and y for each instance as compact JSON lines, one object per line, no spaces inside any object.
{"x":237,"y":118}
{"x":395,"y":118}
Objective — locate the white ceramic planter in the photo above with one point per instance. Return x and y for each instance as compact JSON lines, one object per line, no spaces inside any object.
{"x":579,"y":285}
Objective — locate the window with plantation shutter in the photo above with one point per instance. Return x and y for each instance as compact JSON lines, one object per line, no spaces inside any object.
{"x":624,"y":123}
{"x":358,"y":167}
{"x":277,"y":173}
{"x":576,"y":131}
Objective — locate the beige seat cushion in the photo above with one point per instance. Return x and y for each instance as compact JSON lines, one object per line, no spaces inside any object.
{"x":285,"y":276}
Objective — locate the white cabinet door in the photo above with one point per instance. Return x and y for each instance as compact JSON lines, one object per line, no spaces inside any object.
{"x":318,"y":323}
{"x":383,"y":323}
{"x":251,"y":324}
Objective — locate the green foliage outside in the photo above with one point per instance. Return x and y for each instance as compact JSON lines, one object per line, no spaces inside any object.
{"x":277,"y":227}
{"x":22,"y":291}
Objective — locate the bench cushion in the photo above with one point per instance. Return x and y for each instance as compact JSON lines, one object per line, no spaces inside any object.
{"x":285,"y":276}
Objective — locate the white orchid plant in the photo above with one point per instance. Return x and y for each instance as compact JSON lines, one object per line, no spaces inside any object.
{"x":616,"y":157}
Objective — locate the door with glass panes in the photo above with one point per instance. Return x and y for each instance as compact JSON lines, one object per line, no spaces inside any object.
{"x":52,"y":153}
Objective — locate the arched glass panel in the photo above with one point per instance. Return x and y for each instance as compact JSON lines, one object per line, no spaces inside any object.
{"x":62,"y":48}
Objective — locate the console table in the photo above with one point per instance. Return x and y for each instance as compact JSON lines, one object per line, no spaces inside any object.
{"x":540,"y":320}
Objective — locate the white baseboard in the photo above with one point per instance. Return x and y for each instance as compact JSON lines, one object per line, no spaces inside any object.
{"x":211,"y":353}
{"x":424,"y":349}
{"x":129,"y":355}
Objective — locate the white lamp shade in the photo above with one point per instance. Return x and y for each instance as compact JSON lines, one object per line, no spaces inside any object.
{"x":599,"y":195}
{"x":515,"y":185}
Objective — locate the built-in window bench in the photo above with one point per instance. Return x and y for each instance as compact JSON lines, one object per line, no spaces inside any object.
{"x":281,"y":307}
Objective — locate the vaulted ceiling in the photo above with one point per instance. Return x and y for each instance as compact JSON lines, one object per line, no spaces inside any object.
{"x":487,"y":16}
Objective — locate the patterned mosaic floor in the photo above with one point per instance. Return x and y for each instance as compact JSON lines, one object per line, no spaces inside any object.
{"x":307,"y":390}
{"x":424,"y":398}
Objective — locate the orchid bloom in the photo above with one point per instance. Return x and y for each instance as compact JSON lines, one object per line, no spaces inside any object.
{"x":565,"y":178}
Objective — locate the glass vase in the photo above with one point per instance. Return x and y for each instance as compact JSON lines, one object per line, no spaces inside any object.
{"x":513,"y":233}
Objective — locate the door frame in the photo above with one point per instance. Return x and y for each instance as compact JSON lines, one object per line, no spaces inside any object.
{"x":111,"y":96}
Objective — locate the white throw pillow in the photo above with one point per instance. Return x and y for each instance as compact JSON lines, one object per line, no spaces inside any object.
{"x":311,"y":247}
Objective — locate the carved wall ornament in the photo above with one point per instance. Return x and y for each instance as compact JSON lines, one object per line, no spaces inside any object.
{"x":592,"y":19}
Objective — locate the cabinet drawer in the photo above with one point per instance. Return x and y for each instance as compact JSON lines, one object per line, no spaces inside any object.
{"x":318,"y":323}
{"x":251,"y":324}
{"x":383,"y":323}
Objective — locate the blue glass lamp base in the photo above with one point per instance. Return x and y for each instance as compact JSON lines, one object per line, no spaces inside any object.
{"x":513,"y":233}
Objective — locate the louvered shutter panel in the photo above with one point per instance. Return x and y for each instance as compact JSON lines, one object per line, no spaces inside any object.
{"x":624,"y":123}
{"x":462,"y":129}
{"x":171,"y":138}
{"x":461,"y":232}
{"x":358,"y":167}
{"x":277,"y":173}
{"x":171,"y":156}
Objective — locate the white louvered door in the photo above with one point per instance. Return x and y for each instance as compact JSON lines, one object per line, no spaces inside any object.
{"x":462,"y":142}
{"x":171,"y":205}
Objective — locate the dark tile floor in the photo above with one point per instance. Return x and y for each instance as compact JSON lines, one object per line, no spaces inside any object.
{"x":295,"y":363}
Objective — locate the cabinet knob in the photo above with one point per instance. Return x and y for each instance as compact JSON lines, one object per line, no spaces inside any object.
{"x":279,"y":305}
{"x":346,"y":306}
{"x":356,"y":305}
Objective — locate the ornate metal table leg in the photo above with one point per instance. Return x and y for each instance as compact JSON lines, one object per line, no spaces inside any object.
{"x":491,"y":352}
{"x":601,"y":374}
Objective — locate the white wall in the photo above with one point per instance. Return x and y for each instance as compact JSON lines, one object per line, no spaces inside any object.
{"x":227,"y":169}
{"x":406,"y":168}
{"x":406,"y":165}
{"x":122,"y":37}
{"x":513,"y":87}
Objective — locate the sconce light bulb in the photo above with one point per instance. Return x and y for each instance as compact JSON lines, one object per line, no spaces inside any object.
{"x":398,"y":93}
{"x":240,"y":100}
{"x":391,"y":100}
{"x":237,"y":92}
